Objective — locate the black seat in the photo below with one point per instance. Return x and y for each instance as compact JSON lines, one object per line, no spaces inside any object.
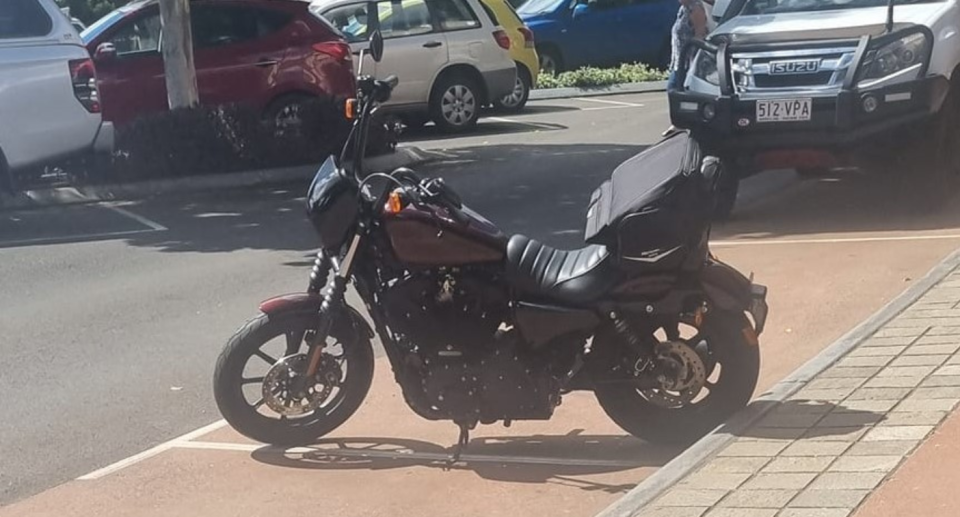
{"x":572,"y":277}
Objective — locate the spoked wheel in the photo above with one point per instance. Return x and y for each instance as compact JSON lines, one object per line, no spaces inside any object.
{"x":261,"y":389}
{"x":706,"y":379}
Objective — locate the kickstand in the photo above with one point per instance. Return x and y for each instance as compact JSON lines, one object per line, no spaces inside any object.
{"x":462,"y":442}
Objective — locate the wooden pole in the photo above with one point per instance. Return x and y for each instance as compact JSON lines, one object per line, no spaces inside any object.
{"x":177,"y":44}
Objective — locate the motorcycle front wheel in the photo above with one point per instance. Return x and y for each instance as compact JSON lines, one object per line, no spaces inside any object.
{"x":732,"y":366}
{"x":252,"y":382}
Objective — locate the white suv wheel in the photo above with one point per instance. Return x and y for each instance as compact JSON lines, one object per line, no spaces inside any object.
{"x":458,"y":105}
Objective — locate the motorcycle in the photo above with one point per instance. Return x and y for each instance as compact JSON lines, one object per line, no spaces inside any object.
{"x":480,"y":328}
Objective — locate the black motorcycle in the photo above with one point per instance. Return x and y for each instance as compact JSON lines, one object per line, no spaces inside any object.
{"x":480,"y":327}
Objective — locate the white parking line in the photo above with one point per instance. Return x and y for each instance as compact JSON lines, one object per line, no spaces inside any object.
{"x":601,"y":108}
{"x":155,"y":226}
{"x":403,"y":455}
{"x":149,"y":453}
{"x":605,"y":101}
{"x":531,"y":124}
{"x":70,"y":238}
{"x":839,"y":240}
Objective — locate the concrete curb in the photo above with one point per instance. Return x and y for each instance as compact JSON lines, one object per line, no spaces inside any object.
{"x":566,"y":93}
{"x":702,"y":451}
{"x":405,"y":156}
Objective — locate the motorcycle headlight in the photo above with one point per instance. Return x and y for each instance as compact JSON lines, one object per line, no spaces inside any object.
{"x":705,"y":68}
{"x":903,"y":58}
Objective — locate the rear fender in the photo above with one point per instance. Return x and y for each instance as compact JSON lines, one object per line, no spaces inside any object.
{"x":729,"y":290}
{"x":298,"y":303}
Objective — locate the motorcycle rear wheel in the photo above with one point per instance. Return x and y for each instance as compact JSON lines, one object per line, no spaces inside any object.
{"x":739,"y":368}
{"x":252,"y":419}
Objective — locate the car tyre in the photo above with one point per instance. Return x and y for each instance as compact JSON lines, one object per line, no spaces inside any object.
{"x":7,"y":184}
{"x":517,"y":99}
{"x":455,"y":104}
{"x":285,"y":113}
{"x":728,"y":187}
{"x":550,"y":60}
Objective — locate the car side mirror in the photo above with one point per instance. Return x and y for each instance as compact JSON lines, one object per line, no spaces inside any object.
{"x":720,"y":8}
{"x":376,"y":46}
{"x":105,"y":52}
{"x":581,"y":9}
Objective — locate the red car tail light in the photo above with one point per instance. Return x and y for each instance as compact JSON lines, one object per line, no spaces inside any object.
{"x":83,"y":75}
{"x":528,"y":39}
{"x":502,"y":39}
{"x":335,"y":49}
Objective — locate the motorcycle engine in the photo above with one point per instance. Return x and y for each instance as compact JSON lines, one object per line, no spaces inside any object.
{"x":470,"y":368}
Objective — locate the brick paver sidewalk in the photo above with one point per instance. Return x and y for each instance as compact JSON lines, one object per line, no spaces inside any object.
{"x":826,"y":450}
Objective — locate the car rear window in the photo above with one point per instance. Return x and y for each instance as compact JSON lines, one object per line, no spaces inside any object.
{"x":455,"y":15}
{"x":225,"y":25}
{"x":23,"y":19}
{"x":490,"y":13}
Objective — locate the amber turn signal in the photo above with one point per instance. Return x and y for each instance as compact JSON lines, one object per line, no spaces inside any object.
{"x":394,"y":203}
{"x":350,"y":109}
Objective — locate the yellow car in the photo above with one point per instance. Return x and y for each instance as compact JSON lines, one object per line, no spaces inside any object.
{"x":522,"y":51}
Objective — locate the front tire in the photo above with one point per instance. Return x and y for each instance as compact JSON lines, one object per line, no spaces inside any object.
{"x":736,"y":367}
{"x":455,"y":104}
{"x":233,"y":374}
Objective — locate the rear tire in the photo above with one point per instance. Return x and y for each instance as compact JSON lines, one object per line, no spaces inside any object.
{"x":285,"y":113}
{"x":456,"y":102}
{"x":740,"y":367}
{"x":550,"y":60}
{"x":7,"y":184}
{"x":241,"y":414}
{"x":517,"y":100}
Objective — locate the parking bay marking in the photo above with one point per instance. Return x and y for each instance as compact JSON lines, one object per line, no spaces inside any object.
{"x":153,"y":225}
{"x":605,"y":101}
{"x":153,"y":451}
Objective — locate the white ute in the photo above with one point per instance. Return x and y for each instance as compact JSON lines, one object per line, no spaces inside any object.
{"x":49,"y":103}
{"x":803,"y":83}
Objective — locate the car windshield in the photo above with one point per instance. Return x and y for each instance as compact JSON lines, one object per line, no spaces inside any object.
{"x":90,"y":33}
{"x":539,"y":6}
{"x":798,"y":6}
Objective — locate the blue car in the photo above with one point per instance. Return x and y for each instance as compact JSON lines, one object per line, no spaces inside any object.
{"x":574,"y":33}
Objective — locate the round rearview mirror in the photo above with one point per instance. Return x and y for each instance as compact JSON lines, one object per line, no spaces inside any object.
{"x":376,"y":46}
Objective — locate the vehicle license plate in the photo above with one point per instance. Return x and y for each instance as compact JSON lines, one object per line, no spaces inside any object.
{"x":791,"y":110}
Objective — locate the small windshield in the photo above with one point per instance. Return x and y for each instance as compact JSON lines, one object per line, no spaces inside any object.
{"x":539,"y":6}
{"x":799,"y":6}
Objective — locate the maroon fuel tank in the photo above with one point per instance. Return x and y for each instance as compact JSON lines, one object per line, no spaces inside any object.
{"x":430,"y":237}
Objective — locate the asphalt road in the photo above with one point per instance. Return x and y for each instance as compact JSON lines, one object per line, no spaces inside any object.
{"x":112,"y":316}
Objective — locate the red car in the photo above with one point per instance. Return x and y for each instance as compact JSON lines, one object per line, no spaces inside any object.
{"x":269,"y":54}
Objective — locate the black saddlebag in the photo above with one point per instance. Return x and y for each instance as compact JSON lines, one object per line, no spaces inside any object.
{"x":654,"y":212}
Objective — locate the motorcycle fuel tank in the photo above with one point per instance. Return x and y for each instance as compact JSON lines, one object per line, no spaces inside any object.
{"x":431,"y":237}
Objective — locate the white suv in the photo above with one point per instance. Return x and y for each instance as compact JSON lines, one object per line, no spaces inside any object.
{"x":450,"y":56}
{"x":49,"y":103}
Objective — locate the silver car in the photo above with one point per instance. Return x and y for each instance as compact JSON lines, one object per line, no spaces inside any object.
{"x":49,"y":103}
{"x":450,"y":56}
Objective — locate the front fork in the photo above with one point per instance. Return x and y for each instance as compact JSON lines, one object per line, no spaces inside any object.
{"x":332,"y":301}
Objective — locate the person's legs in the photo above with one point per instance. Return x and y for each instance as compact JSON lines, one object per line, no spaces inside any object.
{"x":673,"y":83}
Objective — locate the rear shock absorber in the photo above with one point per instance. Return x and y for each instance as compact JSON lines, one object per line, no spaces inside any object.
{"x":630,"y":337}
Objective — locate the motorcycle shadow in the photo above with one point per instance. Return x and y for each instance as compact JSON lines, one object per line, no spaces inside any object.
{"x":514,"y":459}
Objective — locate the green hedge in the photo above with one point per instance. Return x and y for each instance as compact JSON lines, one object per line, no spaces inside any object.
{"x":598,"y":77}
